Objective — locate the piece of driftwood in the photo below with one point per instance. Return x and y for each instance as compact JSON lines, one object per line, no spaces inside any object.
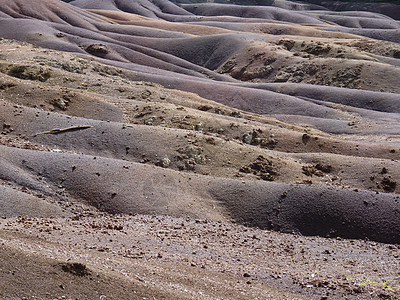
{"x":62,"y":130}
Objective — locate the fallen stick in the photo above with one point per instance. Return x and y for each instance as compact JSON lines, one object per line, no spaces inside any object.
{"x":58,"y":130}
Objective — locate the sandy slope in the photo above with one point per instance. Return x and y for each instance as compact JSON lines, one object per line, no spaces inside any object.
{"x":281,"y":117}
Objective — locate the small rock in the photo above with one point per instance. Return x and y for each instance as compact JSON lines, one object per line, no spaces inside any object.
{"x":198,"y":127}
{"x":150,"y":121}
{"x":235,"y":114}
{"x":247,"y":138}
{"x":165,"y":162}
{"x":305,"y":138}
{"x":97,"y":49}
{"x":60,"y":103}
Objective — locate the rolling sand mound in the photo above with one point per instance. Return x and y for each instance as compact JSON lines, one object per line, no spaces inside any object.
{"x":284,"y":59}
{"x":281,"y":117}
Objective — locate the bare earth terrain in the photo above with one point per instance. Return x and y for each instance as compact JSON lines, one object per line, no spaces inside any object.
{"x":170,"y":150}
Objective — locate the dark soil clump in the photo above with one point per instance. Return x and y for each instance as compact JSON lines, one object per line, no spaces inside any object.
{"x":77,"y":269}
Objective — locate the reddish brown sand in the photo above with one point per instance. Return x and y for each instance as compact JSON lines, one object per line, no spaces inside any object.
{"x":198,"y":151}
